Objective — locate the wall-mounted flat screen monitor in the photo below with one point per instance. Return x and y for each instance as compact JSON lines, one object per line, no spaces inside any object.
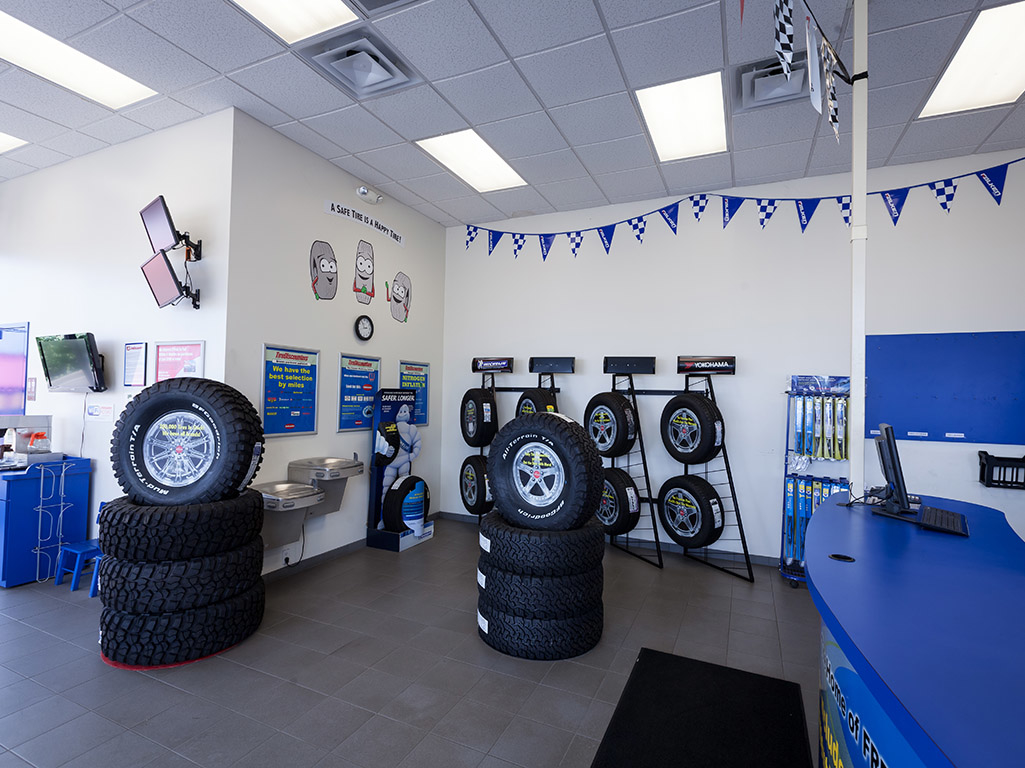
{"x":157,"y":220}
{"x":71,"y":363}
{"x":162,"y":280}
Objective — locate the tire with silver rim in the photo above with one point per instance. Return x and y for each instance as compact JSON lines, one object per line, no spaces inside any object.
{"x":690,"y":511}
{"x":536,"y":401}
{"x":693,"y":429}
{"x":611,"y":423}
{"x":620,"y":507}
{"x":478,"y":417}
{"x":474,"y":488}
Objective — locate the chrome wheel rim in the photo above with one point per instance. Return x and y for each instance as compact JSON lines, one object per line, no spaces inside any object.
{"x":608,"y":509}
{"x":602,"y":427}
{"x":470,"y":486}
{"x":682,"y":512}
{"x":178,"y":449}
{"x":538,"y":474}
{"x":684,"y":430}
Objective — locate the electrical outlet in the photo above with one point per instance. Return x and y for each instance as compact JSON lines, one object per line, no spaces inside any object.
{"x":286,"y":555}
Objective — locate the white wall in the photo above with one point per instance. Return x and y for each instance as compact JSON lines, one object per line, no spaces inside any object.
{"x":71,"y":244}
{"x":776,"y":298}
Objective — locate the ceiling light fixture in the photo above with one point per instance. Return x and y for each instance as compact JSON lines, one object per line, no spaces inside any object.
{"x":298,"y":19}
{"x":685,"y":118}
{"x":988,"y":67}
{"x":471,"y":159}
{"x":30,"y":49}
{"x":8,"y":142}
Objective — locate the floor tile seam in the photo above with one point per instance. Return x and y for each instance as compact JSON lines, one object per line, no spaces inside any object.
{"x":66,"y":722}
{"x":729,"y":643}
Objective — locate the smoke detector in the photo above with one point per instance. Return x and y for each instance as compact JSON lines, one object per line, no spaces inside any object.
{"x":359,"y":63}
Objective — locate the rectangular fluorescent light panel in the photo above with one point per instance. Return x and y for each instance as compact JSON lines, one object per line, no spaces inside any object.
{"x":30,"y":49}
{"x":468,"y":157}
{"x":989,"y":66}
{"x":8,"y":142}
{"x":685,"y":118}
{"x":295,"y":20}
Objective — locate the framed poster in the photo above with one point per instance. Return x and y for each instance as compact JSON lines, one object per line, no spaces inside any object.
{"x":180,"y":358}
{"x":289,"y":391}
{"x":358,"y":379}
{"x":135,"y":364}
{"x":417,"y":376}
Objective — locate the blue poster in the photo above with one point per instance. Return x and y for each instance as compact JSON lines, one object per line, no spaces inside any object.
{"x":358,"y":379}
{"x":289,"y":391}
{"x":416,"y":376}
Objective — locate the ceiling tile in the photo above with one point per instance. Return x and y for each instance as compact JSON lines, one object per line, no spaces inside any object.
{"x":574,"y":72}
{"x":10,"y":169}
{"x":441,"y":38}
{"x":573,"y":193}
{"x":474,"y":94}
{"x":436,"y":214}
{"x":891,"y":105}
{"x":114,"y":129}
{"x":1012,"y":129}
{"x":644,"y":182}
{"x":688,"y":44}
{"x":950,"y":131}
{"x":416,"y":113}
{"x":522,"y":136}
{"x":397,"y":192}
{"x":25,"y":125}
{"x":361,"y":170}
{"x":520,"y":201}
{"x":307,"y":137}
{"x":291,"y":86}
{"x":401,"y":161}
{"x":601,"y":119}
{"x":472,"y":210}
{"x":59,"y":18}
{"x":550,"y":166}
{"x":37,"y":156}
{"x":41,"y":97}
{"x":619,"y":13}
{"x":527,"y":26}
{"x":699,"y":174}
{"x":889,"y":15}
{"x":783,"y":159}
{"x":618,"y":155}
{"x":353,"y":129}
{"x":222,"y":93}
{"x":161,"y":113}
{"x":441,"y":186}
{"x":752,"y":40}
{"x":201,"y":27}
{"x":130,"y":48}
{"x":774,"y":125}
{"x":829,"y":154}
{"x":998,"y":146}
{"x":936,"y":154}
{"x":74,"y":144}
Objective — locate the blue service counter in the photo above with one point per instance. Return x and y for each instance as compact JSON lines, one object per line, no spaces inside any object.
{"x":41,"y":507}
{"x":922,"y":661}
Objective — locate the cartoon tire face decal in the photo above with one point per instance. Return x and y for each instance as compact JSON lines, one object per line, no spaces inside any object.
{"x":323,"y":270}
{"x":363,"y":282}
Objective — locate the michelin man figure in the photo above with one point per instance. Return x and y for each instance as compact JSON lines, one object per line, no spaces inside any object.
{"x":409,"y":449}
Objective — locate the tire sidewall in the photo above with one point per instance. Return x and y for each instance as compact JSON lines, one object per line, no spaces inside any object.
{"x":692,"y":491}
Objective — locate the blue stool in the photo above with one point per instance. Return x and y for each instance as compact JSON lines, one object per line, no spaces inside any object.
{"x":83,"y":550}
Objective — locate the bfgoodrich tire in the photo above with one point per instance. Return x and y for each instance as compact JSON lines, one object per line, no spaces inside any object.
{"x":186,"y":441}
{"x":690,"y":511}
{"x":536,"y":401}
{"x":543,"y":639}
{"x":408,"y":494}
{"x":620,"y":508}
{"x":474,"y":488}
{"x":478,"y":417}
{"x":545,"y":473}
{"x":611,"y":423}
{"x":692,"y":428}
{"x":540,"y":553}
{"x":540,"y":597}
{"x":138,"y":532}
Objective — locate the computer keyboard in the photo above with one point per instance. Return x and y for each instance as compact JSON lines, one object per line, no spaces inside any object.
{"x":936,"y":519}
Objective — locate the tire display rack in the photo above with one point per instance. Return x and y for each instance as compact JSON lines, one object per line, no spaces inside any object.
{"x":716,"y":472}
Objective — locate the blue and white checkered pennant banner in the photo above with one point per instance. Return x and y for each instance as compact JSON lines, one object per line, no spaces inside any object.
{"x":698,"y":204}
{"x":765,"y":210}
{"x":844,"y":201}
{"x":471,"y":235}
{"x":784,"y":23}
{"x":518,"y":241}
{"x":944,"y":191}
{"x":638,"y":225}
{"x":575,"y":239}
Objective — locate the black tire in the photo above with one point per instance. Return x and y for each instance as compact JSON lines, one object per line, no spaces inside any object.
{"x":693,"y":429}
{"x":474,"y":487}
{"x":135,"y":532}
{"x":536,"y":401}
{"x":611,"y":423}
{"x":135,"y":586}
{"x":540,"y":597}
{"x":387,"y":447}
{"x":160,"y":639}
{"x":690,"y":511}
{"x":542,"y":639}
{"x":186,"y":441}
{"x":620,"y":508}
{"x":540,"y":553}
{"x":478,"y":417}
{"x":404,"y":492}
{"x":545,"y":473}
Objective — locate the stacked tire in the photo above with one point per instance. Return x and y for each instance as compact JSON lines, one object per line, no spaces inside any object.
{"x":180,"y":576}
{"x":539,"y":576}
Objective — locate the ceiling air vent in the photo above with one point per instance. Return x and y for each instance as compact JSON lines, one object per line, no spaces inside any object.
{"x":763,"y":83}
{"x":359,"y":63}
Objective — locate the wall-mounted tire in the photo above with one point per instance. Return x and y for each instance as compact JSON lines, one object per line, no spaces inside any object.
{"x":478,"y":417}
{"x":693,"y":429}
{"x":474,"y":487}
{"x":542,"y":639}
{"x":186,"y":441}
{"x":159,"y":639}
{"x":536,"y":401}
{"x":407,"y":495}
{"x":691,"y":511}
{"x":540,"y":553}
{"x":135,"y":586}
{"x":545,"y":473}
{"x":153,"y":533}
{"x":540,"y":597}
{"x":620,"y":507}
{"x":611,"y":423}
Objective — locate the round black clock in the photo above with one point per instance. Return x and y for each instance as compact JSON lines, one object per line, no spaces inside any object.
{"x":364,"y":328}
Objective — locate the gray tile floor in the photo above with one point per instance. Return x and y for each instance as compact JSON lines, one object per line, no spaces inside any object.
{"x":372,"y":659}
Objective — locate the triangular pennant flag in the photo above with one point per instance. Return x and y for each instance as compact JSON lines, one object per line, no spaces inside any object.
{"x":765,"y":210}
{"x":575,"y":239}
{"x":671,"y":213}
{"x":638,"y":225}
{"x":546,"y":244}
{"x":811,"y":36}
{"x":784,"y":22}
{"x":493,"y":238}
{"x":518,"y":241}
{"x":993,"y":180}
{"x":730,"y":205}
{"x":606,"y":234}
{"x":828,"y":65}
{"x":805,"y":210}
{"x":944,"y":191}
{"x":471,"y":235}
{"x":845,"y":208}
{"x":741,"y":11}
{"x":894,"y":201}
{"x":698,"y":203}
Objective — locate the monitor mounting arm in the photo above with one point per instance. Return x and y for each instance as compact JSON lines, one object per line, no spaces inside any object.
{"x":193,"y":250}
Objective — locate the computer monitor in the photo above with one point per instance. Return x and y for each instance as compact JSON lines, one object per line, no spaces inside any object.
{"x":889,"y":461}
{"x":71,"y":363}
{"x":162,"y":280}
{"x":159,"y":227}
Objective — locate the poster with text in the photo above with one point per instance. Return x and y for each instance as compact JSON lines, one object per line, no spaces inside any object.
{"x":180,"y":358}
{"x":359,"y":378}
{"x":289,"y":391}
{"x":417,"y":376}
{"x":135,"y":364}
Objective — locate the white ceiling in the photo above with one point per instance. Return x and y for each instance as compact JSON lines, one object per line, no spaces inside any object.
{"x":549,"y":84}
